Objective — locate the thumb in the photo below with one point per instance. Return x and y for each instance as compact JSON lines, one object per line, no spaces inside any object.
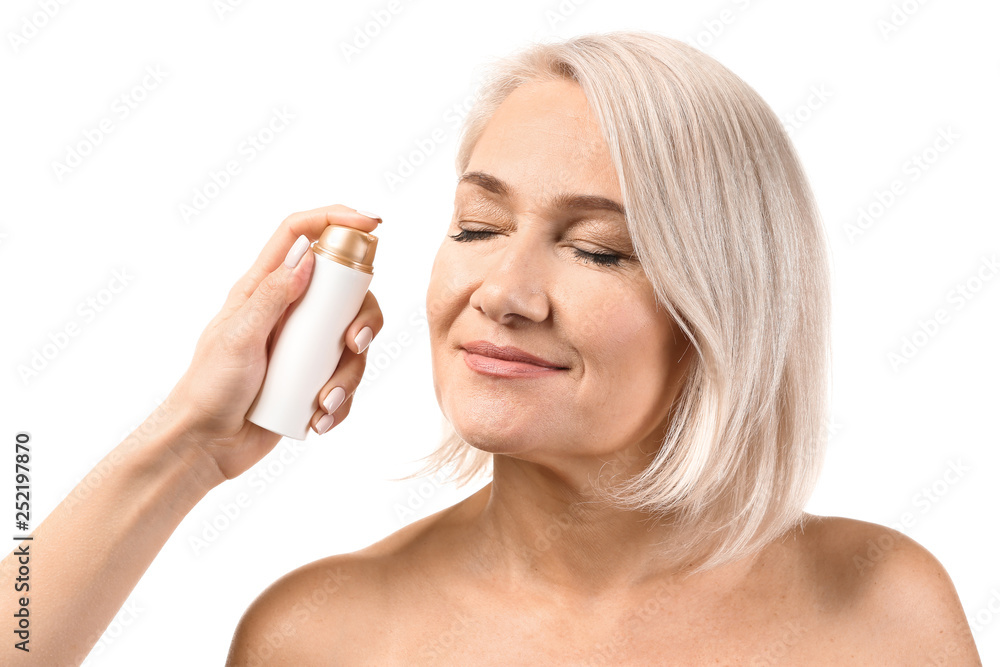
{"x":280,"y":288}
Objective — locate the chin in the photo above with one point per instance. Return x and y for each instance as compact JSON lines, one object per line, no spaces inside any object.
{"x":485,"y":438}
{"x":495,"y":422}
{"x":492,"y":435}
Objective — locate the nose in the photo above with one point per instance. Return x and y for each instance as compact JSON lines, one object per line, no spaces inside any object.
{"x":514,"y":281}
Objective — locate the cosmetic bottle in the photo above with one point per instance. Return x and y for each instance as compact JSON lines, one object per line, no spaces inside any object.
{"x":308,"y":345}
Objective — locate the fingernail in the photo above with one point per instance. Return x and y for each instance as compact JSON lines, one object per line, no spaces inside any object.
{"x":324,"y":424}
{"x":296,"y":251}
{"x":363,"y":338}
{"x":334,"y":399}
{"x":369,"y":214}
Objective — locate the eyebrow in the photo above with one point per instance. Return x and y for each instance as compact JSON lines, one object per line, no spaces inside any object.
{"x":562,"y":201}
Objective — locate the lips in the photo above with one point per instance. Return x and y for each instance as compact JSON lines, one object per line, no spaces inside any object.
{"x":506,"y":353}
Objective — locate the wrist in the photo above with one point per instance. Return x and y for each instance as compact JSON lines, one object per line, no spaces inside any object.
{"x":164,"y":441}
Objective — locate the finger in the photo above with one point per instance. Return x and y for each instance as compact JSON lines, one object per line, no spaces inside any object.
{"x":337,"y":395}
{"x":305,"y":223}
{"x":260,"y":313}
{"x":369,"y":317}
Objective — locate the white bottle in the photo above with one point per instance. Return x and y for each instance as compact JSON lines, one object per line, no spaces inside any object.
{"x":308,"y":345}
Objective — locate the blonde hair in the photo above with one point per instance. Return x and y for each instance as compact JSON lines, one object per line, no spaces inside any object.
{"x":725,"y":226}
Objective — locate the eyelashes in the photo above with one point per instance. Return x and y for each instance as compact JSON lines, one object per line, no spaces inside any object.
{"x":469,"y":235}
{"x":599,"y":258}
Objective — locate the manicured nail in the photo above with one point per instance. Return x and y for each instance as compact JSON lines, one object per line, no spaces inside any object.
{"x":363,"y":338}
{"x":369,"y":214}
{"x":324,"y":424}
{"x":334,"y":399}
{"x":296,"y":251}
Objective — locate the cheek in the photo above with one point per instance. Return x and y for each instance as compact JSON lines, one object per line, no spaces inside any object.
{"x":608,"y":319}
{"x":451,"y":275}
{"x":627,"y":343}
{"x":452,"y":280}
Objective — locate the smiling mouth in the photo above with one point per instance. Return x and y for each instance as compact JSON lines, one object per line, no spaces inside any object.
{"x":507,"y":353}
{"x":506,"y":368}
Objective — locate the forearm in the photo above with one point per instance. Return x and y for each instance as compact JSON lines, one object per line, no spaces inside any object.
{"x":89,"y":553}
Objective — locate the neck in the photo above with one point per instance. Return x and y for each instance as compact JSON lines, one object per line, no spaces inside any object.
{"x":550,"y":533}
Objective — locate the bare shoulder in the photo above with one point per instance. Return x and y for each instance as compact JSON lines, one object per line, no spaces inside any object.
{"x":299,"y":616}
{"x":319,"y":610}
{"x":892,"y":588}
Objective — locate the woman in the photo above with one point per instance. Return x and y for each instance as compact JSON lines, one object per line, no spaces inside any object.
{"x":629,"y":321}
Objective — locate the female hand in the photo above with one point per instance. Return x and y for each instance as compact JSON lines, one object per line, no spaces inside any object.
{"x":230,"y":359}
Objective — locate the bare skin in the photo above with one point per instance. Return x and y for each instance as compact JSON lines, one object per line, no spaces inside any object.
{"x":91,"y":550}
{"x":520,"y":572}
{"x":429,"y":595}
{"x":476,"y":584}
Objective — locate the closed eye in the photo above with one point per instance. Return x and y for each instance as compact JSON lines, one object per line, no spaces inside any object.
{"x":470,"y":235}
{"x":600,"y":258}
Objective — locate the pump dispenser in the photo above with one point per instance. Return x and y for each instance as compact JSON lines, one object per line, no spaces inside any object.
{"x":307,"y":347}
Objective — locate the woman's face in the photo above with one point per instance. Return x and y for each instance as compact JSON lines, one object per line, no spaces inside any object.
{"x":538,"y":194}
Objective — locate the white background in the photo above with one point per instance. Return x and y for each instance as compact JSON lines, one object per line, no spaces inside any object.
{"x":886,"y":96}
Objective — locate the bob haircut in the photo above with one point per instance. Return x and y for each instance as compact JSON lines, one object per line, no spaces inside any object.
{"x":725,"y":226}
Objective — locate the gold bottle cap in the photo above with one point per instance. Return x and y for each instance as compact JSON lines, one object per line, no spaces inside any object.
{"x":347,"y":245}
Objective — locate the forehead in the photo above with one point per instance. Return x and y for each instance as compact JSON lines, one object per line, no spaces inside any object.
{"x":544,"y":140}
